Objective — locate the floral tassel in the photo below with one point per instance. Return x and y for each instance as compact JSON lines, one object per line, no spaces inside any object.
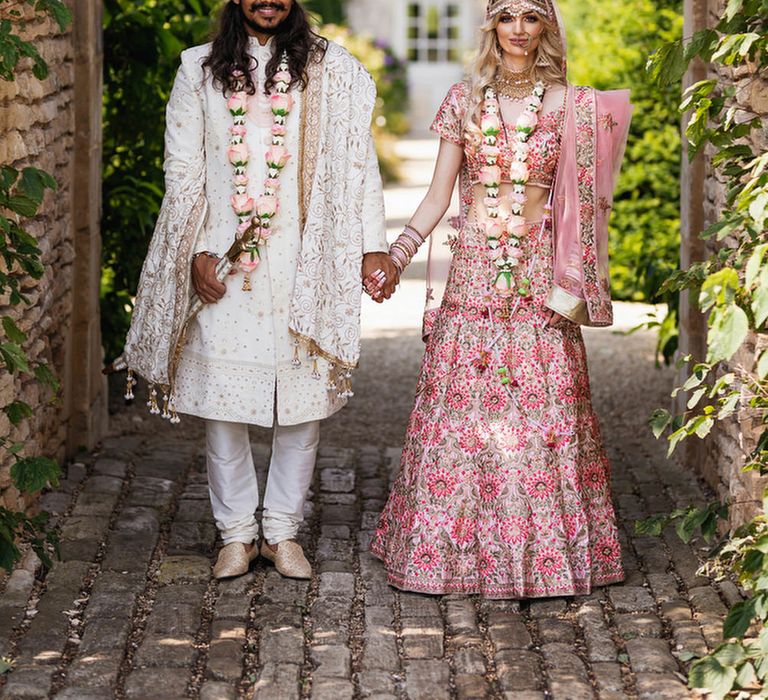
{"x":331,"y":377}
{"x":129,"y":384}
{"x":345,"y":385}
{"x":166,"y":413}
{"x":246,"y":282}
{"x":296,"y":362}
{"x":315,"y":371}
{"x":175,"y":420}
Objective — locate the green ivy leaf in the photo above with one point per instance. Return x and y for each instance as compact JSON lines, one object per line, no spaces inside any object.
{"x":762,"y":365}
{"x":18,"y":411}
{"x":727,"y":332}
{"x":22,"y":205}
{"x":739,"y":619}
{"x":746,"y":676}
{"x":13,"y":357}
{"x":709,"y":674}
{"x":760,"y":306}
{"x":32,"y":474}
{"x":719,"y":288}
{"x":653,"y":526}
{"x":12,"y":331}
{"x":44,"y":375}
{"x":660,"y":420}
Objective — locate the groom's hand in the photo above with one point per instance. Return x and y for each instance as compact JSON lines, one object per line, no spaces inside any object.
{"x":379,"y":286}
{"x":208,"y":288}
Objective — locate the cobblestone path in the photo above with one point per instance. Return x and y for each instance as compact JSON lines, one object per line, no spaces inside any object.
{"x":131,"y":611}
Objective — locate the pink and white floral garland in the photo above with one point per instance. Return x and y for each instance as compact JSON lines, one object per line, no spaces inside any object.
{"x":266,"y":206}
{"x":504,"y":232}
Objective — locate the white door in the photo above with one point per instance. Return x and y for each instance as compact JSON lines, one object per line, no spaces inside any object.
{"x":433,"y":37}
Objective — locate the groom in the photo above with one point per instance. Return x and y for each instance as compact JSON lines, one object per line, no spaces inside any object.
{"x":268,"y":132}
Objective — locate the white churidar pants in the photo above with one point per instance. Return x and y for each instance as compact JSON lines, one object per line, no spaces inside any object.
{"x":235,"y":491}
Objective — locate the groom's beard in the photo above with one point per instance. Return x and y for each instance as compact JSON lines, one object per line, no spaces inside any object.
{"x":255,"y":26}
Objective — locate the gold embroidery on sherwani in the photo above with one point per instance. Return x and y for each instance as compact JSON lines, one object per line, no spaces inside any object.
{"x":310,"y":135}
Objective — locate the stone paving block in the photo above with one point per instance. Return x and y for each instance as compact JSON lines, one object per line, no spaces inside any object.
{"x":518,"y":669}
{"x":138,"y":519}
{"x":664,"y":587}
{"x":337,"y":480}
{"x":427,"y":680}
{"x":608,"y":678}
{"x":677,"y":611}
{"x":631,"y":625}
{"x":129,"y":552}
{"x":469,"y":662}
{"x":339,"y":514}
{"x":334,"y":584}
{"x":705,"y":600}
{"x":472,"y":687}
{"x":107,"y":466}
{"x":461,"y":621}
{"x":114,"y":595}
{"x":631,"y":598}
{"x":660,"y":686}
{"x":331,"y":660}
{"x":232,"y":606}
{"x":547,"y":607}
{"x":43,"y":643}
{"x":239,"y":585}
{"x":336,"y":688}
{"x":84,"y":527}
{"x":334,"y":549}
{"x":277,"y":681}
{"x":650,"y":655}
{"x":188,"y":538}
{"x":55,"y":502}
{"x":184,"y":569}
{"x":103,"y":484}
{"x":418,"y":605}
{"x":563,"y":686}
{"x":96,"y":670}
{"x":281,"y":644}
{"x":83,"y":693}
{"x":193,"y":511}
{"x":687,"y":636}
{"x":561,"y":657}
{"x":186,"y":594}
{"x":225,"y":660}
{"x":422,"y":639}
{"x":377,"y":684}
{"x":523,"y":695}
{"x":280,"y":590}
{"x":380,"y":648}
{"x":552,"y":629}
{"x":216,"y":690}
{"x":150,"y":491}
{"x":27,"y":682}
{"x":82,"y":550}
{"x":508,"y":631}
{"x":175,"y":619}
{"x":104,"y":634}
{"x":161,"y":469}
{"x":167,"y":651}
{"x":90,"y":503}
{"x":379,"y":595}
{"x":156,"y":683}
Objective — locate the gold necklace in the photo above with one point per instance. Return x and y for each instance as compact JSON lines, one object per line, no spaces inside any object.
{"x":514,"y":85}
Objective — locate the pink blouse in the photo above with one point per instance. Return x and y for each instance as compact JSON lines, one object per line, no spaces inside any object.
{"x":544,"y":141}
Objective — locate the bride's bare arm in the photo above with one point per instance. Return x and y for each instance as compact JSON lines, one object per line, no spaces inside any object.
{"x":438,"y":198}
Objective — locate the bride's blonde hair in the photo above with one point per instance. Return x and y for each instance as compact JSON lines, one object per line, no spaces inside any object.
{"x":483,"y":70}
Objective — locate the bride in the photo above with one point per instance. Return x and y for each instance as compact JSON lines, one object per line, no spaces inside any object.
{"x":503,"y":487}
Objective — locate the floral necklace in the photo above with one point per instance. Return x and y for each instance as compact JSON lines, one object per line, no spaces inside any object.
{"x":258,"y":212}
{"x":505,"y":231}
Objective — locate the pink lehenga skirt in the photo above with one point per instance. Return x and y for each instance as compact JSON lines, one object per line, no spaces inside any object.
{"x":503,"y":487}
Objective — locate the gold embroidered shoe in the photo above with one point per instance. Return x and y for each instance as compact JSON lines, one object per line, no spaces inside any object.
{"x":288,"y":558}
{"x":234,"y":559}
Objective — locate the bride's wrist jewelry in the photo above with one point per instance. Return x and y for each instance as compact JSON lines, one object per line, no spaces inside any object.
{"x":405,"y":247}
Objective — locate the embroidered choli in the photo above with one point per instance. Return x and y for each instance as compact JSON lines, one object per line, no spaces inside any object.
{"x":544,"y":143}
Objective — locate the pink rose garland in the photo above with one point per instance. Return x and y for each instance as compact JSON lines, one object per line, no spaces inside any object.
{"x":262,"y":209}
{"x":504,"y":233}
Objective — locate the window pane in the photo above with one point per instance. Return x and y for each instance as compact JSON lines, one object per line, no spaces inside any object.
{"x":414,"y":9}
{"x":433,"y":22}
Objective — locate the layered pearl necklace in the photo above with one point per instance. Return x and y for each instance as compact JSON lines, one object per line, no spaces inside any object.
{"x":505,"y":231}
{"x":258,"y":212}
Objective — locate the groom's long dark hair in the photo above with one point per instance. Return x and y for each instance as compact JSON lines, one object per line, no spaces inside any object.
{"x":229,"y":50}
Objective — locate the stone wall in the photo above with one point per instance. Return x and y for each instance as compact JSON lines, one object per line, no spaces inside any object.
{"x":720,"y":458}
{"x":40,"y":126}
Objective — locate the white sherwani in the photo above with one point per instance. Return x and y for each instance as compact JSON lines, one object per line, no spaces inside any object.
{"x":237,"y":361}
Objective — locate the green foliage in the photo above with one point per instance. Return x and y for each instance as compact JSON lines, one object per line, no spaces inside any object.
{"x":732,"y":289}
{"x":21,"y":194}
{"x":142,"y":43}
{"x":331,"y":11}
{"x":608,"y":45}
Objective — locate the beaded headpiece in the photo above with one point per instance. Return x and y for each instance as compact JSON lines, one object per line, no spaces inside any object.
{"x":519,"y":7}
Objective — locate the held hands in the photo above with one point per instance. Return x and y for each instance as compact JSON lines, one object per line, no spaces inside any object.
{"x":380,"y":276}
{"x":208,"y":288}
{"x":552,"y":318}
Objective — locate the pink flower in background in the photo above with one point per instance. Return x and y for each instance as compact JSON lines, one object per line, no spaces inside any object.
{"x":493,"y":228}
{"x":238,"y":154}
{"x":277,"y":157}
{"x":281,"y":104}
{"x":266,"y":206}
{"x":238,"y":103}
{"x":527,"y":121}
{"x":490,"y":175}
{"x":242,"y":204}
{"x":518,"y":172}
{"x":490,"y":125}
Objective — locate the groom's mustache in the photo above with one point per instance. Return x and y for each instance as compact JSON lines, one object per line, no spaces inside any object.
{"x":267,"y":6}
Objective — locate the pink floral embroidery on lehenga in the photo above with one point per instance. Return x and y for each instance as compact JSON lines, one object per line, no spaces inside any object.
{"x":501,"y":493}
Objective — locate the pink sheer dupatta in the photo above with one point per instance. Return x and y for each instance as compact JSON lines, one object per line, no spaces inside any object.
{"x":592,"y":148}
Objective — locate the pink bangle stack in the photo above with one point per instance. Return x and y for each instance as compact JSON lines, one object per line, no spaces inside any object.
{"x":405,"y":247}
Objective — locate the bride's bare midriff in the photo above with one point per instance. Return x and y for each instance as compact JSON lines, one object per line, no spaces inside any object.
{"x":534,"y":207}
